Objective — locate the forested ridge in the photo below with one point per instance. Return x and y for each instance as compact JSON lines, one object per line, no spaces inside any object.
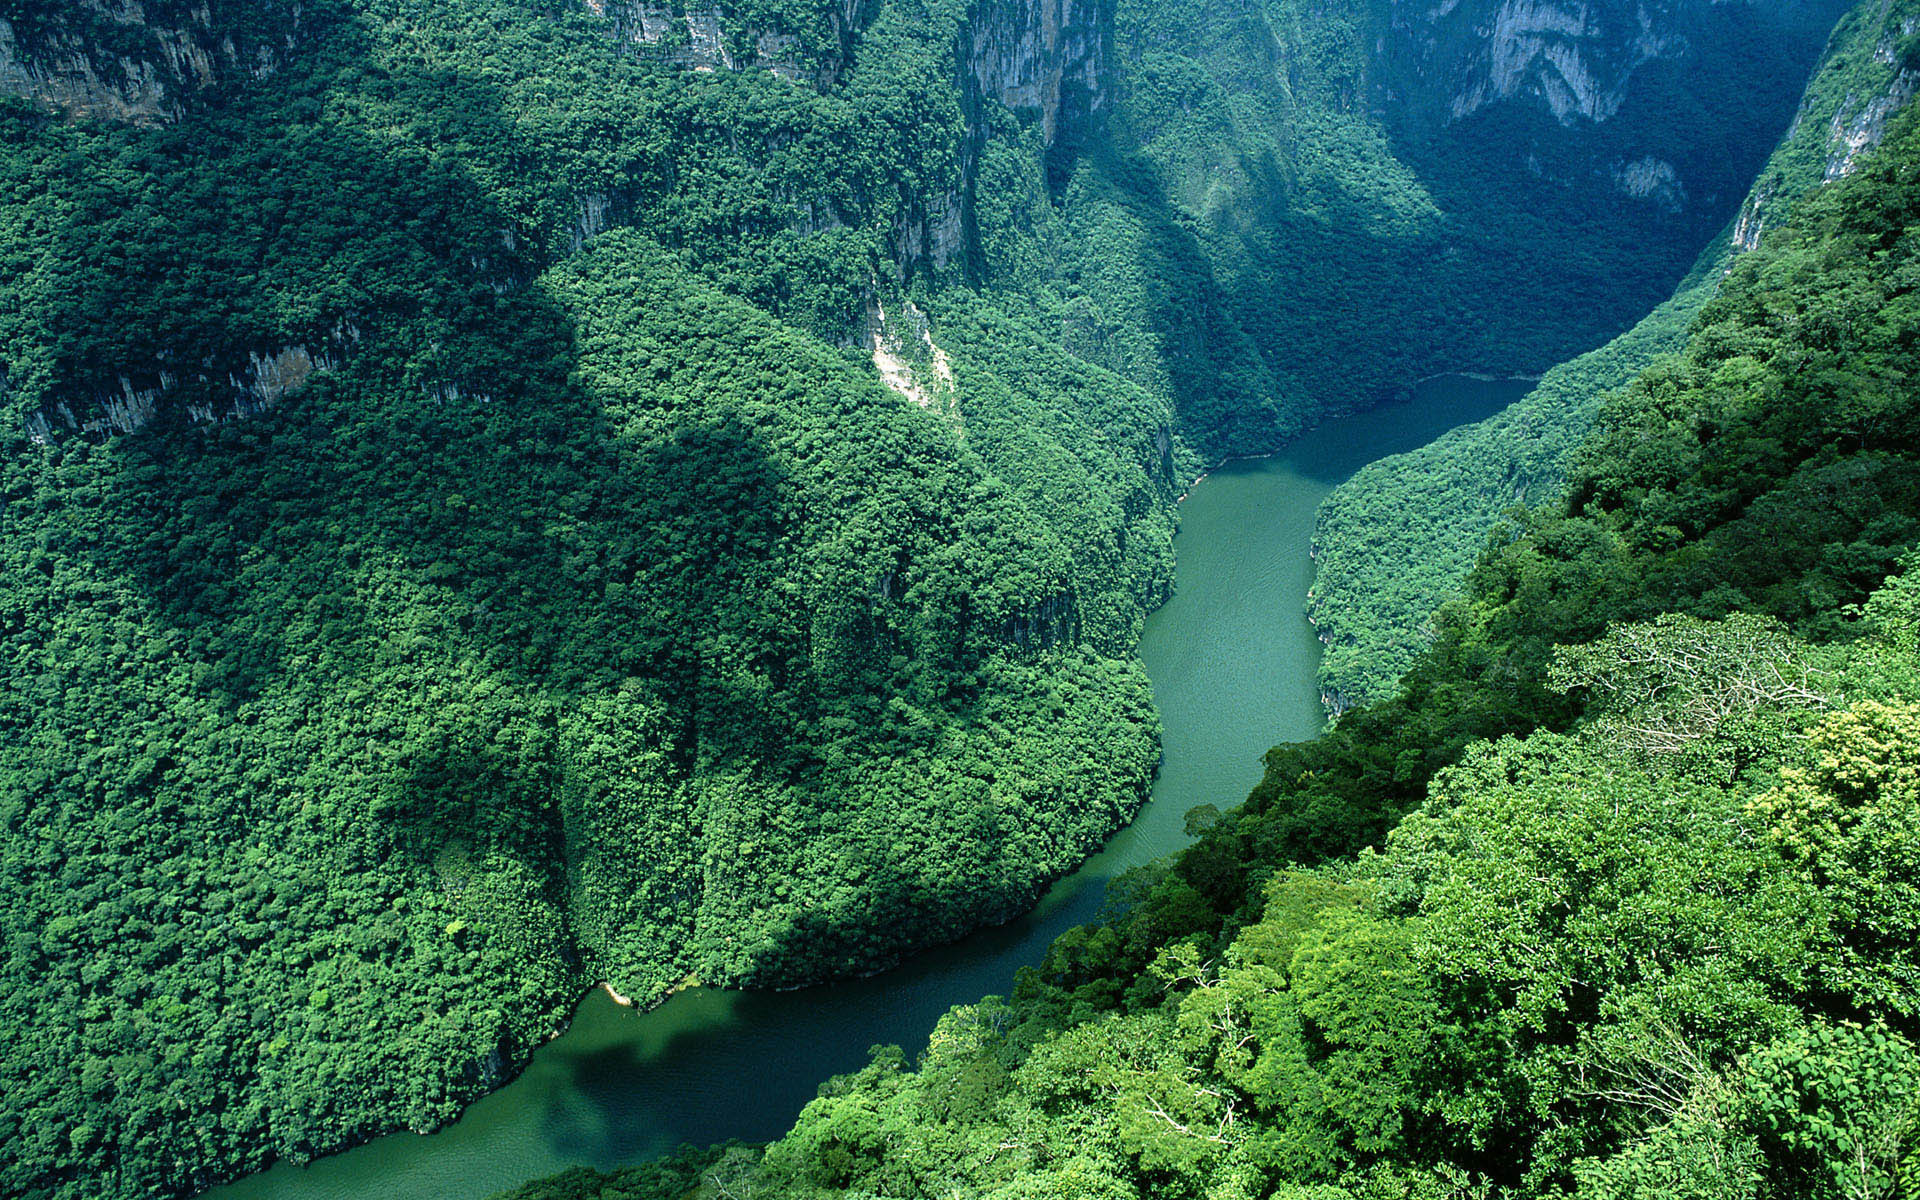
{"x":574,"y":614}
{"x":1399,"y":538}
{"x":1616,"y":897}
{"x":500,"y":496}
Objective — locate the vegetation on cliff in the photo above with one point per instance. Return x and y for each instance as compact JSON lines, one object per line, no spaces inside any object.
{"x":557,"y":612}
{"x":1395,"y":541}
{"x":1615,"y":898}
{"x":456,"y":545}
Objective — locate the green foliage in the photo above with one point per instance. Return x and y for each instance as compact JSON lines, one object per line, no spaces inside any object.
{"x":1848,"y":818}
{"x":1309,"y":246}
{"x":1656,"y":941}
{"x":1397,"y":540}
{"x":1677,"y":685}
{"x":1838,"y":1109}
{"x":566,"y":607}
{"x":1393,"y":543}
{"x":515,"y":580}
{"x":1578,"y":969}
{"x":670,"y":1178}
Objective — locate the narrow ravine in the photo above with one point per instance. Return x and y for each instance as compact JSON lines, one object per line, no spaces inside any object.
{"x":1232,"y":660}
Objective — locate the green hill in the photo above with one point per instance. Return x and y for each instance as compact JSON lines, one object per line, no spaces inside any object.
{"x":1617,"y":897}
{"x":501,"y":496}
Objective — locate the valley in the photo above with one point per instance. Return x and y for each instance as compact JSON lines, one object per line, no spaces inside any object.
{"x":507,"y":497}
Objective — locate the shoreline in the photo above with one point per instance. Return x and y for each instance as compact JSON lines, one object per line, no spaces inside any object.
{"x":1403,"y":396}
{"x":626,"y":1001}
{"x":905,"y":956}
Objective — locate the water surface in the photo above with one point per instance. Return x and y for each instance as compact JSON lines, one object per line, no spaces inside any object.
{"x":1232,"y":660}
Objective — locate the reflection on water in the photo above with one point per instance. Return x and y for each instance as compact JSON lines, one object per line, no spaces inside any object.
{"x":1232,"y":660}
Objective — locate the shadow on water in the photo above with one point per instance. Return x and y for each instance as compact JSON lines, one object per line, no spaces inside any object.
{"x":1330,"y":454}
{"x":1232,"y":661}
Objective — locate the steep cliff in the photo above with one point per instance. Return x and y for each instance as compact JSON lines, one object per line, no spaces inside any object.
{"x":1335,"y":175}
{"x":1047,"y":62}
{"x":1870,"y":72}
{"x":1398,"y":539}
{"x":813,"y":46}
{"x":1597,"y":74}
{"x":1050,"y":60}
{"x":140,"y":60}
{"x":264,"y":379}
{"x":586,"y":607}
{"x":1576,"y":57}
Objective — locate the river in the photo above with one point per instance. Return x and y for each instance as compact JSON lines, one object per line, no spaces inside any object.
{"x":1232,"y":660}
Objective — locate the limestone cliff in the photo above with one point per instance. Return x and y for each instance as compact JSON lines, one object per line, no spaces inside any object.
{"x":1870,"y":74}
{"x":1595,"y":70}
{"x":139,"y":61}
{"x":709,"y":37}
{"x":258,"y":382}
{"x":1377,"y":526}
{"x":1860,"y":121}
{"x":1045,"y":58}
{"x":1577,"y":58}
{"x":1048,"y":61}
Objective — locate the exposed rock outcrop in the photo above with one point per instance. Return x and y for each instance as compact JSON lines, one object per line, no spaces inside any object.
{"x":1048,"y":59}
{"x":1861,"y":120}
{"x":1879,"y":83}
{"x":138,"y":61}
{"x":136,"y":399}
{"x":1053,"y":622}
{"x":1650,"y":178}
{"x":703,"y":37}
{"x":1583,"y":91}
{"x":910,"y":363}
{"x":1576,"y":58}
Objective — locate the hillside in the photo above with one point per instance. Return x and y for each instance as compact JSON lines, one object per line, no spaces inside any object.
{"x":1398,"y":539}
{"x":1615,"y":898}
{"x":506,"y":496}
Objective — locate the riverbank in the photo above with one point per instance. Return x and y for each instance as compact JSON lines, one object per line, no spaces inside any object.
{"x":1232,"y":663}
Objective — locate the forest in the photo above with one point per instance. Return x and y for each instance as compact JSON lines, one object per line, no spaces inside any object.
{"x":459,"y":546}
{"x":1398,"y":539}
{"x":1616,"y":896}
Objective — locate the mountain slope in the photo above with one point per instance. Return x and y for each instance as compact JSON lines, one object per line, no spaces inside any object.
{"x":1394,"y":541}
{"x":1658,"y":939}
{"x":503,"y":496}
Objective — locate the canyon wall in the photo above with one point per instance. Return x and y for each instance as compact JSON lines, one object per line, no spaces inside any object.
{"x":141,"y":61}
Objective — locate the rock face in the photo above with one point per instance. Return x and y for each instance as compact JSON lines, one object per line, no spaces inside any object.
{"x":1045,"y":58}
{"x":138,"y":61}
{"x":1049,"y":61}
{"x":1577,"y":58}
{"x":1586,"y":82}
{"x":701,"y":38}
{"x":910,"y":362}
{"x":1861,"y":120}
{"x":1650,"y":178}
{"x":1842,"y":124}
{"x":266,"y":377}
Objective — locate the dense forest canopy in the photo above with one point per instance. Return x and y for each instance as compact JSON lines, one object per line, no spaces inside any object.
{"x":1399,"y":538}
{"x":1617,"y":896}
{"x":500,"y":496}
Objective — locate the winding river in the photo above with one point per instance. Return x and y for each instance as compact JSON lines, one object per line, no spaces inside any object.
{"x":1232,"y":661}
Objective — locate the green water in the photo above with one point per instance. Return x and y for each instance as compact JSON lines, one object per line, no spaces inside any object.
{"x":1232,"y":661}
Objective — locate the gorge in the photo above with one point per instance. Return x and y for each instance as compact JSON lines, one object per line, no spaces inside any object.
{"x":503,"y":496}
{"x":711,"y":1066}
